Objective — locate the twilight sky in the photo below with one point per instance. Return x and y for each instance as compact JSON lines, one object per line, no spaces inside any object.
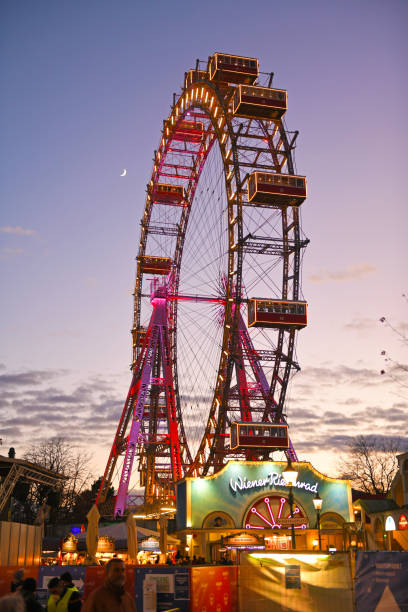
{"x":86,"y":86}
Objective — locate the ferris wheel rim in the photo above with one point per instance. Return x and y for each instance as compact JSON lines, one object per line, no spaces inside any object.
{"x":234,"y":250}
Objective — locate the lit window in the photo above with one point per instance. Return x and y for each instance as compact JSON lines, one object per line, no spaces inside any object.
{"x":389,"y":524}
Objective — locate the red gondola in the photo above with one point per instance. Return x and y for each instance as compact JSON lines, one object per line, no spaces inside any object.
{"x":233,"y":68}
{"x":259,"y":102}
{"x":258,"y":435}
{"x":189,"y":131}
{"x":168,"y":194}
{"x":276,"y":189}
{"x":277,"y":313}
{"x":155,"y":265}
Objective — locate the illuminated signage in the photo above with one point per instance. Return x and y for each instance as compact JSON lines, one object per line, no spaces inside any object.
{"x":403,"y":522}
{"x":243,"y":540}
{"x":69,"y":544}
{"x":106,"y":544}
{"x":246,"y":547}
{"x":151,"y":544}
{"x":273,"y":479}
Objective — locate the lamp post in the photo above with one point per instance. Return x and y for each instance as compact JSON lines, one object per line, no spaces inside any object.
{"x":290,"y":476}
{"x":318,"y":502}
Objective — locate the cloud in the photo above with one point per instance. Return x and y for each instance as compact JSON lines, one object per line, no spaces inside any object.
{"x":338,"y":375}
{"x":33,"y":377}
{"x":32,"y":410}
{"x":339,"y":443}
{"x":185,"y":397}
{"x":10,"y":432}
{"x":20,"y":231}
{"x":351,"y":401}
{"x":8,"y":251}
{"x":301,"y":414}
{"x":333,"y":430}
{"x":41,"y":404}
{"x":349,"y":273}
{"x":362,"y":324}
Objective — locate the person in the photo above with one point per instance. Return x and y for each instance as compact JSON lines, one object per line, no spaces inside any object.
{"x":28,"y":589}
{"x":64,"y":596}
{"x":55,"y":588}
{"x":111,"y":596}
{"x":11,"y":603}
{"x":17,"y":581}
{"x":71,"y":593}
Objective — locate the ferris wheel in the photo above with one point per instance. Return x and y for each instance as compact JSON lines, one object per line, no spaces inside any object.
{"x":217,"y":300}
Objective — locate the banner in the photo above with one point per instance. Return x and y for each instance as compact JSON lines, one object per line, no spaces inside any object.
{"x":46,"y":572}
{"x":382,"y":581}
{"x":95,"y":577}
{"x":214,"y":588}
{"x":165,"y":586}
{"x":299,"y":582}
{"x":7,"y":572}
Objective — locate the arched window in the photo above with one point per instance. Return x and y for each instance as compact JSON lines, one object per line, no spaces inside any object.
{"x":218,"y":519}
{"x":389,"y":524}
{"x":331,"y":520}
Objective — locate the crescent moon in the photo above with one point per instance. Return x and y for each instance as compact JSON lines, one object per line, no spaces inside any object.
{"x":123,"y":172}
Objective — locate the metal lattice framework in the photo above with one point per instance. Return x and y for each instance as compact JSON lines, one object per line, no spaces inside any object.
{"x":204,"y":251}
{"x":13,"y":471}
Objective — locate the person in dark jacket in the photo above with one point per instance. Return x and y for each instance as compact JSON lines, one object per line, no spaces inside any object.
{"x":27,"y":592}
{"x":111,"y":596}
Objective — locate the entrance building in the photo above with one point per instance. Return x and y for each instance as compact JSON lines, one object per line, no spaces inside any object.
{"x":246,"y":506}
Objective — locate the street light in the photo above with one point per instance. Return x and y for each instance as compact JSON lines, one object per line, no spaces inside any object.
{"x":290,"y":476}
{"x":318,"y":502}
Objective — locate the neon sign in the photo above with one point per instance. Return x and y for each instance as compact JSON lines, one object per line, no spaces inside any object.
{"x":273,"y":479}
{"x":249,"y":547}
{"x":274,"y":513}
{"x":403,"y":522}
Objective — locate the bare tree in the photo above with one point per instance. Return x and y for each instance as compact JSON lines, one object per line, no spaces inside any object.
{"x":371,"y":463}
{"x":60,"y":456}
